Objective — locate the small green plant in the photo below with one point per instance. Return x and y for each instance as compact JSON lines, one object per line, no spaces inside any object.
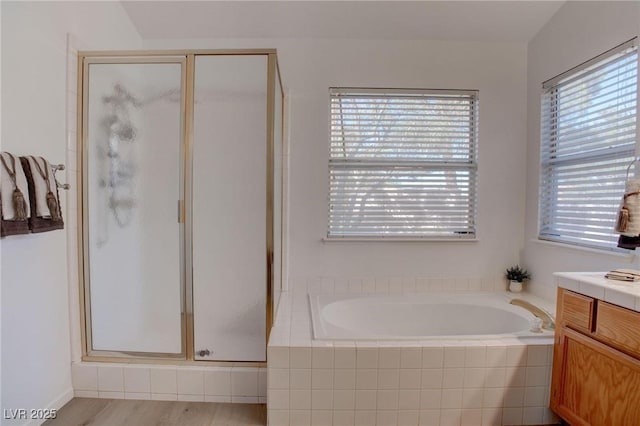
{"x":516,"y":273}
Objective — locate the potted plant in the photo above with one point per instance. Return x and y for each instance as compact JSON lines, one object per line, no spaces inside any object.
{"x":516,"y":276}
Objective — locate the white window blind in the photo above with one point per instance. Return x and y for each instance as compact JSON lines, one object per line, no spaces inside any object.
{"x":402,"y":163}
{"x":588,"y":139}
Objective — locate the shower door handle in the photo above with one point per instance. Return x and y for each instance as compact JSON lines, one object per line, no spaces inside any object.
{"x":181,"y":211}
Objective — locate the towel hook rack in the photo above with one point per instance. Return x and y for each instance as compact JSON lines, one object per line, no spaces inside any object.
{"x":56,"y":168}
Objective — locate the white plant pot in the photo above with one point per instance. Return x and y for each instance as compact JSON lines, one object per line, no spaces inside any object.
{"x":515,"y":286}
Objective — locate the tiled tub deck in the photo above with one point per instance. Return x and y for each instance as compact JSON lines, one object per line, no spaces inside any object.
{"x":433,"y":382}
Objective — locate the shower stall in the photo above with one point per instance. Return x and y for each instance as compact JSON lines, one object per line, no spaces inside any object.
{"x":181,"y":203}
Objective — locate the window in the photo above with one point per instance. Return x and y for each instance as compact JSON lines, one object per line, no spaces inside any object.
{"x":402,"y":163}
{"x":587,"y":141}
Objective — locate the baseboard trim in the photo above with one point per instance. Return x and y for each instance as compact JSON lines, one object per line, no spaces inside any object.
{"x":56,"y":404}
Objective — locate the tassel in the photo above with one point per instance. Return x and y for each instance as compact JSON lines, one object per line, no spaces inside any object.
{"x":622,"y":223}
{"x":19,"y":205}
{"x":52,"y":203}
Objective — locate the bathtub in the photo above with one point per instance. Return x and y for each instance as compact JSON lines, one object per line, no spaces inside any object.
{"x":461,"y":316}
{"x":408,"y":359}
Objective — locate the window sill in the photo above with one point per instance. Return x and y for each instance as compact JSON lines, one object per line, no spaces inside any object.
{"x":396,"y":240}
{"x":631,"y":255}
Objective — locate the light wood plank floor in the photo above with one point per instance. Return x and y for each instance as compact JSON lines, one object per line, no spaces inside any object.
{"x":115,"y":412}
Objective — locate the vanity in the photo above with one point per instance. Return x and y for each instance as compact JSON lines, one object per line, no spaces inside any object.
{"x":596,"y":359}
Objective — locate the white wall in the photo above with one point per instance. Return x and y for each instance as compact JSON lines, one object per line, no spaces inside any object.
{"x":577,"y":32}
{"x":35,"y":304}
{"x":310,"y":66}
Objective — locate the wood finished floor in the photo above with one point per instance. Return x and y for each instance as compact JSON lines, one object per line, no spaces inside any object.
{"x":115,"y":412}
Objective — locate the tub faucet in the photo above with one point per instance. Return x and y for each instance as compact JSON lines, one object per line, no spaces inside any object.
{"x":547,"y":320}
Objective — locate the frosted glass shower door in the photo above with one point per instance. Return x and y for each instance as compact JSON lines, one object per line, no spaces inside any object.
{"x":229,"y":207}
{"x":132,"y":182}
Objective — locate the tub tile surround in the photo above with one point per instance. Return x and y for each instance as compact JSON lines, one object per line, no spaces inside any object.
{"x":170,"y":383}
{"x":395,"y":285}
{"x":432,"y":382}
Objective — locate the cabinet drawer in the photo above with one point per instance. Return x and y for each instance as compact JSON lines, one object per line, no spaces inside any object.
{"x":619,"y":327}
{"x":576,"y":310}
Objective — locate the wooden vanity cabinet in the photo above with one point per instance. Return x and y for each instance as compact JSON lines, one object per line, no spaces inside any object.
{"x":596,"y":362}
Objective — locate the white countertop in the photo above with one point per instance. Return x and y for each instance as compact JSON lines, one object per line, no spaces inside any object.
{"x":594,"y":284}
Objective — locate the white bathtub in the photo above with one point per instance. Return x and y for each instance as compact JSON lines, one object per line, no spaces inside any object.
{"x":424,"y":316}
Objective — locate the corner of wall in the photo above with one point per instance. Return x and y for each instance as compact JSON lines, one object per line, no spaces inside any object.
{"x":121,"y":5}
{"x":577,"y":32}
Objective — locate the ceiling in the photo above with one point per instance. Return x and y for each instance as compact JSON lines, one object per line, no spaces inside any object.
{"x":516,"y":21}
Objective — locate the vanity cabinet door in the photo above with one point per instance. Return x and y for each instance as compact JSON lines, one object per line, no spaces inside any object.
{"x":594,"y":384}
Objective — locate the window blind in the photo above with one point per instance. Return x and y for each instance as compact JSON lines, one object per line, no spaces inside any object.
{"x":588,"y":139}
{"x":402,"y":163}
